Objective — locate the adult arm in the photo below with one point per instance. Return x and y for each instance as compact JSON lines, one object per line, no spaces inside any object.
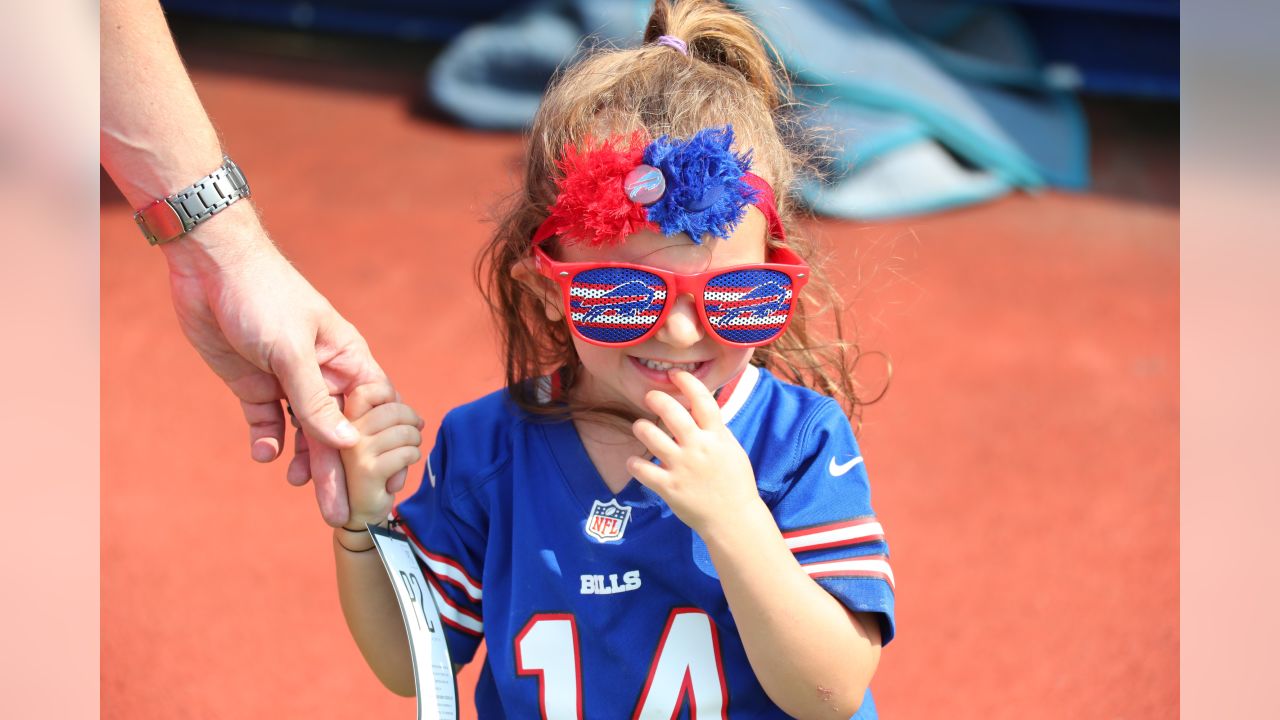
{"x":252,"y":317}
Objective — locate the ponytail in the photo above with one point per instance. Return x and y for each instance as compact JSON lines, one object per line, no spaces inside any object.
{"x":717,"y":35}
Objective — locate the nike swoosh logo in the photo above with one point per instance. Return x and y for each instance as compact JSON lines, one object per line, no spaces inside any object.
{"x":837,"y":470}
{"x":432,"y":476}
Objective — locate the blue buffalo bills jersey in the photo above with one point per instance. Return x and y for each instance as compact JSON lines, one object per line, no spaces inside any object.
{"x":595,"y":605}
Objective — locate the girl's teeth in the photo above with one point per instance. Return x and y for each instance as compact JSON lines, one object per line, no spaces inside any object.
{"x":663,"y":367}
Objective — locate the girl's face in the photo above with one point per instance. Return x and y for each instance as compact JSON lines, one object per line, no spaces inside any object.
{"x":625,"y":374}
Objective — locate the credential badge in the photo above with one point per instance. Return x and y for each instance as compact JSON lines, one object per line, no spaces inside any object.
{"x":608,"y":521}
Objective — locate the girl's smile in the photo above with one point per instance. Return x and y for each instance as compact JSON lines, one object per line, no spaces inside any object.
{"x":665,"y":366}
{"x":658,"y":371}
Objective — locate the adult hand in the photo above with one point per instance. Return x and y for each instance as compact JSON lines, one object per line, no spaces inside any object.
{"x":271,"y":336}
{"x":261,"y":327}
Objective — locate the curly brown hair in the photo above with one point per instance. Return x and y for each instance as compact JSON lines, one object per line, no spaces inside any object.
{"x":729,"y":76}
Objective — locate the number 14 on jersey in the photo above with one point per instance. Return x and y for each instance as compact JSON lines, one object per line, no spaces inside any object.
{"x":686,"y":663}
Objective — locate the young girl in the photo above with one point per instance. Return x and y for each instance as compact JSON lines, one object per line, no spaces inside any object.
{"x":647,"y":522}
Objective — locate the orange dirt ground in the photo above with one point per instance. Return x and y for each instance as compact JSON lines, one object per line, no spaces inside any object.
{"x":1024,"y":460}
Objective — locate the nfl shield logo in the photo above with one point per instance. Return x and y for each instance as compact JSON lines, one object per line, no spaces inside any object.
{"x":608,"y":521}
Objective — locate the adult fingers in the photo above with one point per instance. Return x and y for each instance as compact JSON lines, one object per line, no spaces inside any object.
{"x":702,"y":404}
{"x":299,"y":472}
{"x":266,"y":429}
{"x":658,"y":442}
{"x":674,"y":416}
{"x":325,"y":426}
{"x":330,"y":483}
{"x":303,"y":383}
{"x":369,"y":395}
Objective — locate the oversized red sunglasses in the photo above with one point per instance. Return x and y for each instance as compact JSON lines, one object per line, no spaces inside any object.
{"x":619,"y":304}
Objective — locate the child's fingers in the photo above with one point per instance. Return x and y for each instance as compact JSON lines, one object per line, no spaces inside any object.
{"x":394,"y":437}
{"x":384,"y":416}
{"x":396,"y":482}
{"x":677,"y":419}
{"x":702,"y":404}
{"x":369,"y":395}
{"x":649,"y":475}
{"x":393,"y":461}
{"x":658,"y":442}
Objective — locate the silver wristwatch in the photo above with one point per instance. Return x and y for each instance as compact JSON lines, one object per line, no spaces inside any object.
{"x":172,"y":217}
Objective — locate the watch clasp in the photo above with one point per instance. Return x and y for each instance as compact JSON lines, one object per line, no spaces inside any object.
{"x":159,"y":222}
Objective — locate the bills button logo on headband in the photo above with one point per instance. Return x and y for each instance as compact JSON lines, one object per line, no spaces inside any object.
{"x":697,"y":186}
{"x":645,"y":185}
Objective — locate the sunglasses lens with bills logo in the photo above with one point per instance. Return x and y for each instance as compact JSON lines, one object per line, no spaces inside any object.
{"x":748,"y":307}
{"x":613,"y":305}
{"x":620,"y":304}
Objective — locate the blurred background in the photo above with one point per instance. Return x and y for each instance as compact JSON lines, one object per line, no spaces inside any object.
{"x":1002,"y":205}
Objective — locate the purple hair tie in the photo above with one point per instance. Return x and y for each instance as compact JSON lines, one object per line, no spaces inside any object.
{"x":674,"y":42}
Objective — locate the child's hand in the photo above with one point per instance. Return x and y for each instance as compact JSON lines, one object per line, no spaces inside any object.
{"x":390,"y":433}
{"x":706,"y":476}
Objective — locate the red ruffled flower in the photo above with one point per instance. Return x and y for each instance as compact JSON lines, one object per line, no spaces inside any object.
{"x":592,"y":207}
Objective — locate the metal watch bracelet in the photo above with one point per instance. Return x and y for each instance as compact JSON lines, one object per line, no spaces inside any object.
{"x":172,"y":217}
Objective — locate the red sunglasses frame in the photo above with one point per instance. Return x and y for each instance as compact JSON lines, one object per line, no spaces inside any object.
{"x":784,"y":260}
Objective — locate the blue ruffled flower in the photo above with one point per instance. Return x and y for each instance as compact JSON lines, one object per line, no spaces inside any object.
{"x":705,"y":189}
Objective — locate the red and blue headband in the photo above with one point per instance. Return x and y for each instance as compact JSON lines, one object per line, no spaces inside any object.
{"x":627,"y":184}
